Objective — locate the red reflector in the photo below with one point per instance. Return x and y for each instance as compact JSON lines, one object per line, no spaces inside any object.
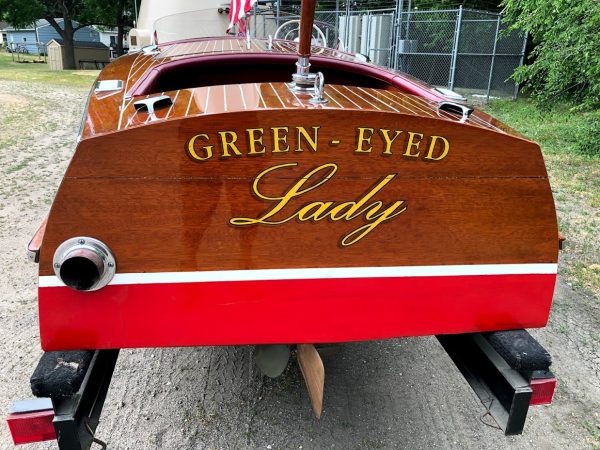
{"x":31,"y":427}
{"x":543,"y":391}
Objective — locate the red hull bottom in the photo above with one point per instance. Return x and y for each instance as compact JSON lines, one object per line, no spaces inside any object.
{"x":289,"y":311}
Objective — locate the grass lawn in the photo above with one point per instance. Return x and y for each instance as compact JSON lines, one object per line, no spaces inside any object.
{"x":39,"y":72}
{"x":575,"y":180}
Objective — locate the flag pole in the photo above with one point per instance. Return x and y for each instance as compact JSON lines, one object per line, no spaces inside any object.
{"x":303,"y":80}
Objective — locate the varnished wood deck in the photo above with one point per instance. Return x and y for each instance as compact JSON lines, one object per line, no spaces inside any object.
{"x":114,"y":112}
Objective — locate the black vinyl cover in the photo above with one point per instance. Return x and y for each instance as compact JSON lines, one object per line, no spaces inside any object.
{"x":59,"y":374}
{"x":520,"y":350}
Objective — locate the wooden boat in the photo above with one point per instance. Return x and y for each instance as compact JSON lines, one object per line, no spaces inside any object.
{"x":209,"y":202}
{"x":245,"y":191}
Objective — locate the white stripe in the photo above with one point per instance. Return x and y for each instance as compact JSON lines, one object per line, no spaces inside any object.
{"x":320,"y":273}
{"x":235,"y":5}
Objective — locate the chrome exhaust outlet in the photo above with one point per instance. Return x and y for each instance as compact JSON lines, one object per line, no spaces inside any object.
{"x":84,"y":264}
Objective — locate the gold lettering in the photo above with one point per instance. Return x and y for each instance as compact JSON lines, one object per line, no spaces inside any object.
{"x":354,"y":207}
{"x":252,"y":140}
{"x":389,"y":213}
{"x":277,"y":139}
{"x":295,"y":191}
{"x":228,"y":144}
{"x":316,"y":211}
{"x":388,"y":141}
{"x":362,"y":138}
{"x":432,"y":146}
{"x":311,"y":141}
{"x":320,"y":213}
{"x":192,"y":150}
{"x":412,"y":143}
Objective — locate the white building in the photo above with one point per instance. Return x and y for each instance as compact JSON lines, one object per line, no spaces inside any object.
{"x":108,"y":36}
{"x":3,"y":26}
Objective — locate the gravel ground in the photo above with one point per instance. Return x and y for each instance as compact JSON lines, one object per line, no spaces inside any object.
{"x":401,"y":393}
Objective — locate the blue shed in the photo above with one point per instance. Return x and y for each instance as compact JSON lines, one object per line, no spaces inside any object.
{"x":35,"y":37}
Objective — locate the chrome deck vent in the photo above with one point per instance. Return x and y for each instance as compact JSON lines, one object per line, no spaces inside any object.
{"x":151,"y":104}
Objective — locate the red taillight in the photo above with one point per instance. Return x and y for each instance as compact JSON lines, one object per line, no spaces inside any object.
{"x":543,"y":390}
{"x":31,"y":426}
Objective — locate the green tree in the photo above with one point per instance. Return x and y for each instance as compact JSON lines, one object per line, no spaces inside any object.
{"x":24,"y":12}
{"x":564,"y":64}
{"x":117,"y":13}
{"x":110,"y":13}
{"x":483,"y":5}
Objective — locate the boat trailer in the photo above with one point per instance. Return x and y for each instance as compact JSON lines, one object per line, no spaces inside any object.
{"x":508,"y":370}
{"x":71,"y":388}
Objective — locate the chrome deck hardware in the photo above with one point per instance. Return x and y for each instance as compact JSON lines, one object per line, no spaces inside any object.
{"x":303,"y":80}
{"x":108,"y":86}
{"x":456,"y":108}
{"x":151,"y":104}
{"x":450,"y":94}
{"x":318,"y":90}
{"x":150,"y":49}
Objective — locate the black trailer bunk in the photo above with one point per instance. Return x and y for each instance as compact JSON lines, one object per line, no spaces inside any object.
{"x":508,"y":370}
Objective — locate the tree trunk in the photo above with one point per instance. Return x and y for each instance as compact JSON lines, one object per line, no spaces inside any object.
{"x":68,"y":47}
{"x":120,"y":27}
{"x":67,"y":35}
{"x":120,"y":32}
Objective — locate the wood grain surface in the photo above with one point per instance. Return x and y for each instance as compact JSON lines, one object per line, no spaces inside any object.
{"x":307,"y":17}
{"x":239,"y":174}
{"x":313,"y":373}
{"x":112,"y":111}
{"x":487,"y":201}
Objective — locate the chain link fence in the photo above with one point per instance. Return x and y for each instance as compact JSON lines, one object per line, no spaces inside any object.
{"x":468,"y":51}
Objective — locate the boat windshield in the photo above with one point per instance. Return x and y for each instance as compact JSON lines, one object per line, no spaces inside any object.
{"x":261,"y":22}
{"x":191,"y":24}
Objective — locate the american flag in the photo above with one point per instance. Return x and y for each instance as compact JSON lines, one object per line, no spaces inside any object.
{"x":237,"y":12}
